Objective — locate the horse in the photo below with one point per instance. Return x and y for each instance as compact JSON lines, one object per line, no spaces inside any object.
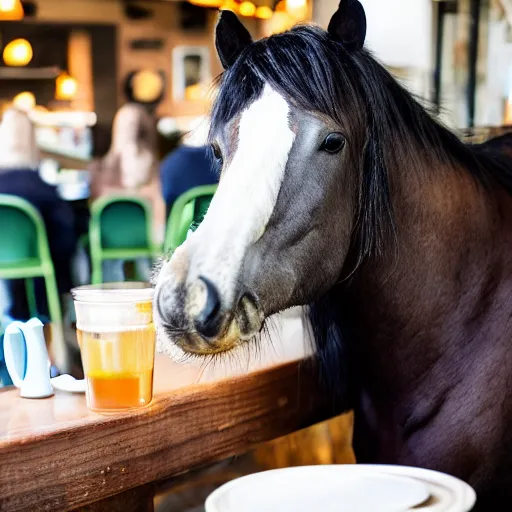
{"x":341,"y":193}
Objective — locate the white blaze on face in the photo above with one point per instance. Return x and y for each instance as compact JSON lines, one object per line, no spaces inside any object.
{"x":247,"y":194}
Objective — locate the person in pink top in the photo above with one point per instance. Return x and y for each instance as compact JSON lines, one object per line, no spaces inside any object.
{"x":131,"y":167}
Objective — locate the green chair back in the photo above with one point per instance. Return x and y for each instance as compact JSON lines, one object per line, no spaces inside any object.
{"x":120,"y":228}
{"x":25,"y":254}
{"x":18,"y":236}
{"x":123,"y":224}
{"x":201,"y":206}
{"x":187,"y":213}
{"x":23,"y":240}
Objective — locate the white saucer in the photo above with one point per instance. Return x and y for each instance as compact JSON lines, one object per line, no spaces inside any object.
{"x":343,"y":488}
{"x":68,"y":383}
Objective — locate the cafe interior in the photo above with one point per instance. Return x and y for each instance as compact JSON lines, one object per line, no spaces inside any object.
{"x":90,"y":86}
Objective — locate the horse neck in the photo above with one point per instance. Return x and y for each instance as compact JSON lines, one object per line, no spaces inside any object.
{"x":433,"y":297}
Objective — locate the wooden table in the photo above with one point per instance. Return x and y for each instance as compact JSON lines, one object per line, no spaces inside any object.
{"x":56,"y":455}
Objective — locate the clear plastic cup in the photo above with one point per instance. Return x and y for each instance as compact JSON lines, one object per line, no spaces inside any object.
{"x":117,"y":342}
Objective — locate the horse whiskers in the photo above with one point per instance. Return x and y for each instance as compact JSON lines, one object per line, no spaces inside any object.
{"x":157,"y":268}
{"x":240,"y":359}
{"x":174,"y":330}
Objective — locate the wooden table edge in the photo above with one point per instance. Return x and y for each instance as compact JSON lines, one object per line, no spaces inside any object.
{"x":182,"y":430}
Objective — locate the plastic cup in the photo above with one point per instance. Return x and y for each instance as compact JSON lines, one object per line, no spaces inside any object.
{"x":117,"y":343}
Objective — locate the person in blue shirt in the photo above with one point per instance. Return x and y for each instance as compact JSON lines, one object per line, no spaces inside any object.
{"x":188,"y":166}
{"x":19,"y":176}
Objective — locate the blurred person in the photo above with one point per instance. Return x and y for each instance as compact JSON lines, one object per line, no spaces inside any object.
{"x":131,"y":168}
{"x":188,"y":166}
{"x":19,"y":176}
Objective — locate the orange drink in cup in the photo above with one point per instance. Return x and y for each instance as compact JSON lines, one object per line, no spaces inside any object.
{"x":117,"y":343}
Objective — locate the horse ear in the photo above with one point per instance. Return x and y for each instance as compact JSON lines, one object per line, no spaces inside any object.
{"x":348,"y":25}
{"x":231,"y":37}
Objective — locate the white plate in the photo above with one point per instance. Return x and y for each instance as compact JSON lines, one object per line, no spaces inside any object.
{"x":449,"y":494}
{"x":343,"y":488}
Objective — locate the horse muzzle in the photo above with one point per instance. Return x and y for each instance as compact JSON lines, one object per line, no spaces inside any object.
{"x":195,"y":318}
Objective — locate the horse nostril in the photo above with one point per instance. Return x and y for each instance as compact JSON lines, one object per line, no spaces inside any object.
{"x":208,"y":321}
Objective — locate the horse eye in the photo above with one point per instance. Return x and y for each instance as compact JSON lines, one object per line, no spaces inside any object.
{"x":333,"y":143}
{"x":216,"y":152}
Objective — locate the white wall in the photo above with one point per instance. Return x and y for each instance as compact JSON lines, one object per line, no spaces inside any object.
{"x":399,"y":31}
{"x":499,"y":73}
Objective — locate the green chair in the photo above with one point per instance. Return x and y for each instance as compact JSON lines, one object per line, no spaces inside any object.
{"x":187,"y":213}
{"x":25,"y":254}
{"x":120,"y":228}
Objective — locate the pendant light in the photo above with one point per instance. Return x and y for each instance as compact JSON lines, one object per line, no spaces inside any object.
{"x":65,"y":87}
{"x":207,"y":3}
{"x":18,"y":53}
{"x":247,"y":9}
{"x":11,"y":10}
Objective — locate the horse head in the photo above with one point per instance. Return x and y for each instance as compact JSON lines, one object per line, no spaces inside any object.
{"x":279,"y":228}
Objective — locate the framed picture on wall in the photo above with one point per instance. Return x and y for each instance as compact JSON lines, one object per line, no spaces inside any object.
{"x":191,"y":72}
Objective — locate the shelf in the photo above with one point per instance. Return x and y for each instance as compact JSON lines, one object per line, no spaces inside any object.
{"x":49,"y":73}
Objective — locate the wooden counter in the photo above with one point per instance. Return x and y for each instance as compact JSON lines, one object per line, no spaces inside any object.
{"x":56,"y":455}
